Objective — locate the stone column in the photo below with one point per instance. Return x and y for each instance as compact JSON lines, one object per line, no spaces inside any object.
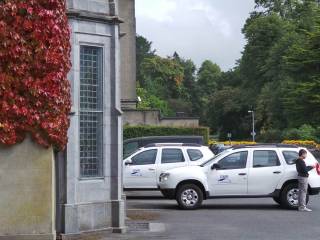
{"x":128,"y":54}
{"x":117,"y":202}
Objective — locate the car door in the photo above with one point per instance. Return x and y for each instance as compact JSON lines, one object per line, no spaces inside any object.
{"x":141,"y":173}
{"x":265,"y":172}
{"x":170,"y":158}
{"x":231,"y":176}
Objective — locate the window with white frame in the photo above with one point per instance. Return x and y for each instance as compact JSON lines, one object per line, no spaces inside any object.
{"x":91,"y":111}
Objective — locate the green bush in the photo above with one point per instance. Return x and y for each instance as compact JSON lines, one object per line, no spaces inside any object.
{"x":144,"y":131}
{"x":305,"y":132}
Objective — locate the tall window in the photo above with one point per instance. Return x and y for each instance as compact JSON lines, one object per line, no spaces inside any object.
{"x":91,"y":111}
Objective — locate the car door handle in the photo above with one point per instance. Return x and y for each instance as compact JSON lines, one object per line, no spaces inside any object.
{"x":242,"y":174}
{"x":152,"y":169}
{"x":277,"y":172}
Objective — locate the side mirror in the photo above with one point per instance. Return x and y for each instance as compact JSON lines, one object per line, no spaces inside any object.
{"x":128,"y":162}
{"x":215,"y":166}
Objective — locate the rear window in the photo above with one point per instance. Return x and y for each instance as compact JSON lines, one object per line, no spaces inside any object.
{"x":290,"y":157}
{"x":194,"y":154}
{"x":170,"y":155}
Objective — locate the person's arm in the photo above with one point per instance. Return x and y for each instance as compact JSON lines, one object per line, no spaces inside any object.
{"x":309,"y":168}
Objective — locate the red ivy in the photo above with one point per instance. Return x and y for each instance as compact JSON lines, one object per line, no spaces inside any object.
{"x":34,"y":62}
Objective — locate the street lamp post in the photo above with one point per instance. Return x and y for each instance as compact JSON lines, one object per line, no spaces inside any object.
{"x":253,"y":130}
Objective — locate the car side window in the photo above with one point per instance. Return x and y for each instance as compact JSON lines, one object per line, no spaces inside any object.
{"x":145,"y":158}
{"x":265,"y":158}
{"x":194,"y":154}
{"x":129,"y":148}
{"x":170,"y":155}
{"x":290,"y":157}
{"x":236,"y":160}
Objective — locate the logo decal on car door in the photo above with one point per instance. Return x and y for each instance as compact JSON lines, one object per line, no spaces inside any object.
{"x":224,"y":179}
{"x":136,"y":172}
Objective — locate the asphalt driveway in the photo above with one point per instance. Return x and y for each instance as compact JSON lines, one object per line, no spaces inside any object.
{"x":227,"y":219}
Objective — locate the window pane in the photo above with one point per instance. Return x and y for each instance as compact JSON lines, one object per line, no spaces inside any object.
{"x":90,"y":78}
{"x":265,"y":158}
{"x":234,"y":161}
{"x":91,"y":139}
{"x":194,"y":154}
{"x":290,"y":157}
{"x":145,"y":158}
{"x":172,"y":156}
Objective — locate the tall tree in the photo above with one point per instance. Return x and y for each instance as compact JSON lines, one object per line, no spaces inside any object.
{"x":143,"y":50}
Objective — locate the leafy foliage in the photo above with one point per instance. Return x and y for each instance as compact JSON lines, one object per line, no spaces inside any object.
{"x":278,"y":76}
{"x":34,"y":62}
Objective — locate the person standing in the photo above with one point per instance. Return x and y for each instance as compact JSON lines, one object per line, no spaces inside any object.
{"x":303,"y":174}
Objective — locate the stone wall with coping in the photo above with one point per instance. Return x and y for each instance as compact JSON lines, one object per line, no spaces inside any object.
{"x":27,"y":188}
{"x":153,"y":117}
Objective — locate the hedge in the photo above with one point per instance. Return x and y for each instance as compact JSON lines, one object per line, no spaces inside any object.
{"x":144,"y":131}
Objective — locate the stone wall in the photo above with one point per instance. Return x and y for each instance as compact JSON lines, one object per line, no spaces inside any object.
{"x":27,"y":202}
{"x":153,"y":117}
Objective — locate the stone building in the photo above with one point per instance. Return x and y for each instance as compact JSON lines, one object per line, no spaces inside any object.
{"x":89,"y":186}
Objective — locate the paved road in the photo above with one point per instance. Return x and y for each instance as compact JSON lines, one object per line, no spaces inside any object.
{"x":226,"y":219}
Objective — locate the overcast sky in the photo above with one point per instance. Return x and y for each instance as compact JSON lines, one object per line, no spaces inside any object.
{"x":196,"y":29}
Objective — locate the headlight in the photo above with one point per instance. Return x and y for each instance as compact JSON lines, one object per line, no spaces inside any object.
{"x":163,"y":177}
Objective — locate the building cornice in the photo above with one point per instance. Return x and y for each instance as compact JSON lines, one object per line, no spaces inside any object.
{"x":98,"y":17}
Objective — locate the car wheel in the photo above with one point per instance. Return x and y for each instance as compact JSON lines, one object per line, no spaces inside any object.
{"x":189,"y":196}
{"x":290,"y":196}
{"x":277,"y":200}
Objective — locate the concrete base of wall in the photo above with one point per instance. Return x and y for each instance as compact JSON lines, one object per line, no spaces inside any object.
{"x":95,"y":217}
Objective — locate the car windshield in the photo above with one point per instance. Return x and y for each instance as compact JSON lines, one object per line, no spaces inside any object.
{"x":212,"y":159}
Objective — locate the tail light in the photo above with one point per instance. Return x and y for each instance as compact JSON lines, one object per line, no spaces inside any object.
{"x":318,"y":168}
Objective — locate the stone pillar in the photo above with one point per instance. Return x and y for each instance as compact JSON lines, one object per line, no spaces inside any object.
{"x":128,"y":54}
{"x":27,"y":187}
{"x":117,"y":202}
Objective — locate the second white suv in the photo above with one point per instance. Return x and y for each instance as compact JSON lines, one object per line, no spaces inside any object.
{"x":250,"y":171}
{"x":142,"y":169}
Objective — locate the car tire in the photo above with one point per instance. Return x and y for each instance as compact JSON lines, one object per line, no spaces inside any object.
{"x":289,"y":196}
{"x":189,"y":196}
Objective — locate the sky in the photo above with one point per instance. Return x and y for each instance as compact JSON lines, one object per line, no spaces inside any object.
{"x":195,"y":29}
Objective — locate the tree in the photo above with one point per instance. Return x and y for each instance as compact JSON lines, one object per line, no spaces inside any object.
{"x":34,"y":62}
{"x":143,"y":51}
{"x":208,"y":75}
{"x":162,"y":77}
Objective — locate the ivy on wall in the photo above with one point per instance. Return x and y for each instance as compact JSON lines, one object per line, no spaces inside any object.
{"x":34,"y":62}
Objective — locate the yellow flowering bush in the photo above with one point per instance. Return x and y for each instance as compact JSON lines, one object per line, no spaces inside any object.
{"x":305,"y":143}
{"x":211,"y":141}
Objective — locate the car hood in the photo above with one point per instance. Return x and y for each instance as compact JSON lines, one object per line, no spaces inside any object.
{"x":186,"y":169}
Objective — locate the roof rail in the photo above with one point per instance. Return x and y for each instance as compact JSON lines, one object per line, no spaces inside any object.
{"x":173,"y":145}
{"x":266,"y":145}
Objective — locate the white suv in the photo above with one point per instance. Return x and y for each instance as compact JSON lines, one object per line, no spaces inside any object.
{"x":142,"y":169}
{"x":250,"y":171}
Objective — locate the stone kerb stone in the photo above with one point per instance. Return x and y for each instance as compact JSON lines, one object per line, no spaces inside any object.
{"x":27,"y":196}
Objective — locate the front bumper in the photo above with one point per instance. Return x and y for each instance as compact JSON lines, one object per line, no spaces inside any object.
{"x":168,"y":193}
